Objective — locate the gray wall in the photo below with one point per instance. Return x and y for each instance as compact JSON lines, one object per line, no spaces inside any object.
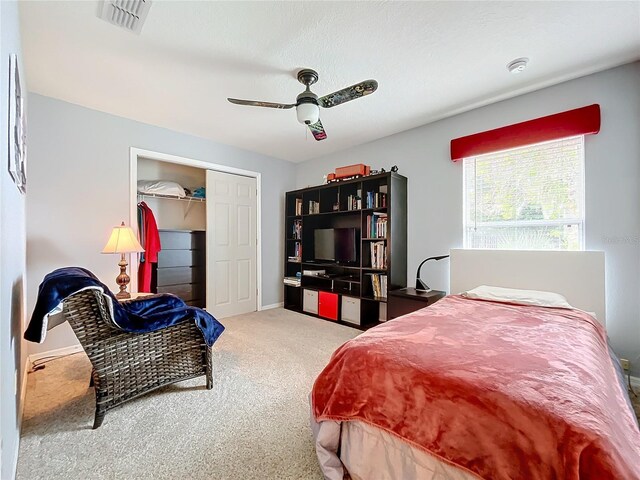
{"x":612,"y":184}
{"x":12,"y":262}
{"x":79,"y":190}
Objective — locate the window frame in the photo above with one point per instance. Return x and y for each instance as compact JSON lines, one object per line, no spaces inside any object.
{"x":582,"y":199}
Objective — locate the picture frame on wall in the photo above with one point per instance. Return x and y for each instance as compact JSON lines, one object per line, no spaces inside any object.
{"x":17,"y":127}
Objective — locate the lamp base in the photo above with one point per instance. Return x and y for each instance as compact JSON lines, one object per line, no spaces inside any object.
{"x":420,"y":285}
{"x":123,"y":279}
{"x":123,"y":295}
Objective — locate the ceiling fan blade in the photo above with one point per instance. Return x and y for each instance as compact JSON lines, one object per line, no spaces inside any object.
{"x":253,"y":103}
{"x":318,"y":131}
{"x":347,"y":94}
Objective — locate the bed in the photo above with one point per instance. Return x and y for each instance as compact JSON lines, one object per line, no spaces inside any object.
{"x":474,"y":388}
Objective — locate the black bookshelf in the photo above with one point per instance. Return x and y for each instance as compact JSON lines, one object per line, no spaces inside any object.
{"x":347,"y":204}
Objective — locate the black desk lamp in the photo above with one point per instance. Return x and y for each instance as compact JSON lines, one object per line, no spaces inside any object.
{"x":420,"y":285}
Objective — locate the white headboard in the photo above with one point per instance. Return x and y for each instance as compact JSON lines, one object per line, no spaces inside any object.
{"x":578,"y":276}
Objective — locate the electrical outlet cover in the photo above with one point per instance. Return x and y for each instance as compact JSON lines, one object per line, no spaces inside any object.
{"x":625,"y":364}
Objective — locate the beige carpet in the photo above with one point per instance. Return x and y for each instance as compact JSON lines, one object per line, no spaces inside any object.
{"x":253,"y":424}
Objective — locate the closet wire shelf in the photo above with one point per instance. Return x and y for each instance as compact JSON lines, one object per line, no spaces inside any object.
{"x":171,"y":197}
{"x":189,"y":199}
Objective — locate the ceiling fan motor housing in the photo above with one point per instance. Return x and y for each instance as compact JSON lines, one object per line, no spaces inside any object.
{"x":307,"y":77}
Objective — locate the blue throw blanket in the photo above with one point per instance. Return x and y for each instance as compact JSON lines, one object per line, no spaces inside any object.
{"x":135,"y":316}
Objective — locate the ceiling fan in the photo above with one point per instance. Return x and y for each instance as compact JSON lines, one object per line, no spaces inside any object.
{"x":308,"y":104}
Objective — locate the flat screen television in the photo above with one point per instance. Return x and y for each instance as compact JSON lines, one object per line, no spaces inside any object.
{"x":335,"y":245}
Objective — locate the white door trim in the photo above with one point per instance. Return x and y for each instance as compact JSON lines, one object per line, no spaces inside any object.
{"x":135,"y":153}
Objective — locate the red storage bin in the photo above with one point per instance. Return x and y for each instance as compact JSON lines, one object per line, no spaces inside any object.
{"x":328,"y":305}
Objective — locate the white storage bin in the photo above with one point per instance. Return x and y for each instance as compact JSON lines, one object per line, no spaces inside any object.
{"x":310,"y":301}
{"x":350,"y":310}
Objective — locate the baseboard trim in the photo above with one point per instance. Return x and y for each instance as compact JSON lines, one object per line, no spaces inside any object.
{"x":23,"y":388}
{"x":23,"y":396}
{"x":58,"y":352}
{"x":273,"y":305}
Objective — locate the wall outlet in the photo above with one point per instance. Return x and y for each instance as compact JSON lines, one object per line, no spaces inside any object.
{"x":626,"y":364}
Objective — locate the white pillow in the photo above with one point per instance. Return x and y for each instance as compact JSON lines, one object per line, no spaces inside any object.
{"x":519,"y":297}
{"x":161,"y":187}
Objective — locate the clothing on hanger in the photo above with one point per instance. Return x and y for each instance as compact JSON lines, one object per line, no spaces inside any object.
{"x":141,"y":230}
{"x":151,"y":242}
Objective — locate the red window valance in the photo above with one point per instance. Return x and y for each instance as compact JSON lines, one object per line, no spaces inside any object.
{"x":581,"y":121}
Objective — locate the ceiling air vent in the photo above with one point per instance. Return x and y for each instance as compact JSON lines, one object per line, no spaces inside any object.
{"x":127,"y":14}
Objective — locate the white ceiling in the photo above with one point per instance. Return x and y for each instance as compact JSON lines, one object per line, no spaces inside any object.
{"x":431,"y":59}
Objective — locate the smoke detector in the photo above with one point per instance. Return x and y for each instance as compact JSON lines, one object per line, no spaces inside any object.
{"x":517,"y":65}
{"x":127,"y":14}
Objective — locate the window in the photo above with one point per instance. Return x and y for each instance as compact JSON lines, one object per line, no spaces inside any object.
{"x":528,"y":198}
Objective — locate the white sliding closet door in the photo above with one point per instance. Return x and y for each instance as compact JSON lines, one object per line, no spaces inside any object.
{"x":231,"y":244}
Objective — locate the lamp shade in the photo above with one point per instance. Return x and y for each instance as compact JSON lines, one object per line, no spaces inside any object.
{"x":122,"y":240}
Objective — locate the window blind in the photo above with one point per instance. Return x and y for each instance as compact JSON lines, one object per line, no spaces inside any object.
{"x":526,"y":198}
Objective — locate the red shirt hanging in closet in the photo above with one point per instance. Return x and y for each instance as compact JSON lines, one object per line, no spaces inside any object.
{"x":151,"y":248}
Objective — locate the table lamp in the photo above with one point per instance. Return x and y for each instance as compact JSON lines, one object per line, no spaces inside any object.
{"x":122,"y":241}
{"x":420,"y":285}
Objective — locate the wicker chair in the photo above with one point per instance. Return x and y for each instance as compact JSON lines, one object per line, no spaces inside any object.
{"x":128,"y":365}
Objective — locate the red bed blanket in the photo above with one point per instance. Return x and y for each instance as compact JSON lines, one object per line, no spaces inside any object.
{"x":503,"y":391}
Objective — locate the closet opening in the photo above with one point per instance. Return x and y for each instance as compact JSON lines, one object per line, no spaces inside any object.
{"x":207,"y":219}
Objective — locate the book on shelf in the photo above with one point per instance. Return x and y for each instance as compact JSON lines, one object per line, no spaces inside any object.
{"x":377,"y":225}
{"x":293,"y":281}
{"x":298,"y":206}
{"x":354,"y":202}
{"x":378,"y":255}
{"x":294,"y":259}
{"x":314,"y":207}
{"x":376,"y":199}
{"x":297,"y":251}
{"x":297,"y":230}
{"x":378,"y":284}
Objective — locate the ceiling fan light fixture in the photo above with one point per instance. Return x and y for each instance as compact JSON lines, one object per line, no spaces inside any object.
{"x":308,"y":113}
